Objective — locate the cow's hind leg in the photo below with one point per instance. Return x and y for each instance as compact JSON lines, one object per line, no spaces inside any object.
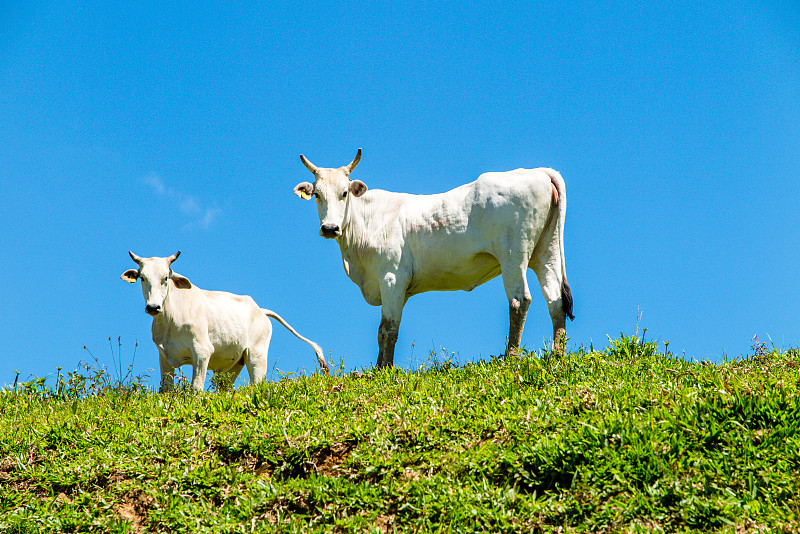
{"x":256,"y":355}
{"x":224,"y":379}
{"x":547,"y":266}
{"x":519,"y":299}
{"x":256,"y":361}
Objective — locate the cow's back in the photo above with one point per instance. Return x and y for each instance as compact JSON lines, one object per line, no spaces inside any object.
{"x":235,"y":322}
{"x":520,"y":193}
{"x":456,"y":238}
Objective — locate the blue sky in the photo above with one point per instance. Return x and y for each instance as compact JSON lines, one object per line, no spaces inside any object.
{"x":157,"y":128}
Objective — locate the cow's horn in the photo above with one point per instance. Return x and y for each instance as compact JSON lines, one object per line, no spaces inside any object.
{"x":310,"y":166}
{"x":354,"y":162}
{"x":136,"y":258}
{"x":173,"y":257}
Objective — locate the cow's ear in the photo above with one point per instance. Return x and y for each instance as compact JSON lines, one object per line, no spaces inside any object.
{"x":304,"y":190}
{"x":131,"y":275}
{"x":357,"y":188}
{"x":181,"y":282}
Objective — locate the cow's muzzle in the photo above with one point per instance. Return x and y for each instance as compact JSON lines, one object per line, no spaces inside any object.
{"x":329,"y":231}
{"x":152,"y":310}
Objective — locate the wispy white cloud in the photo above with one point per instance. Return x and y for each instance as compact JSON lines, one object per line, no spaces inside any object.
{"x":155,"y":181}
{"x":208,"y":216}
{"x":190,"y":206}
{"x":200,"y":216}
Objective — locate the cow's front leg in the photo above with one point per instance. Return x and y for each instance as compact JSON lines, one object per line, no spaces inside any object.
{"x":167,"y":372}
{"x":393,"y":298}
{"x":201,"y":356}
{"x":387,"y":339}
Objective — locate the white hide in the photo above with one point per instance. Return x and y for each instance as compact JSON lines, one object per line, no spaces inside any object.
{"x":395,"y":245}
{"x":211,"y":330}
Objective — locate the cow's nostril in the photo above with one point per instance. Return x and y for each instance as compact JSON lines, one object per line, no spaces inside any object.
{"x":152,"y":310}
{"x":329,"y":230}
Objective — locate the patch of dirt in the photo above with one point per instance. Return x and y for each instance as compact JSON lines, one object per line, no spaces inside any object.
{"x":285,"y":506}
{"x":6,"y":468}
{"x":251,"y":462}
{"x":270,"y":517}
{"x":748,"y":526}
{"x":134,"y":507}
{"x":328,"y":460}
{"x":410,"y":474}
{"x":759,"y":435}
{"x":384,"y":523}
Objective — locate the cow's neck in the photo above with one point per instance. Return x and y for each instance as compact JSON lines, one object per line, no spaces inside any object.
{"x":361,"y":231}
{"x":359,"y":219}
{"x":163,"y":320}
{"x":160,"y":328}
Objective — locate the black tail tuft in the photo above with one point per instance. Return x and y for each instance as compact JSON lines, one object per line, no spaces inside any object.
{"x":566,"y":299}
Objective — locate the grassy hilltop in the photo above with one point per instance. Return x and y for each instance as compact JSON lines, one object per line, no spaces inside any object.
{"x":630,"y":439}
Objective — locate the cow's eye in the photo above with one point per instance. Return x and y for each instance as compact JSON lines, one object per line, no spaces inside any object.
{"x":344,"y":194}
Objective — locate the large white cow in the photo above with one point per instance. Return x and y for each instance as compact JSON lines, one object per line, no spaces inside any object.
{"x":395,"y":245}
{"x":212,"y":330}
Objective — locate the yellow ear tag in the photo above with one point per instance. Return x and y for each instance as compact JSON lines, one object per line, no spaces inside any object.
{"x":304,"y":195}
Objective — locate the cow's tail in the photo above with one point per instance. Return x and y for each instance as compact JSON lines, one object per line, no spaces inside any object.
{"x":561,"y":189}
{"x":317,"y":349}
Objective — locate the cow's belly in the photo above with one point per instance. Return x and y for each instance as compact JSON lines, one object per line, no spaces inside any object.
{"x":221,"y":359}
{"x":463,"y":275}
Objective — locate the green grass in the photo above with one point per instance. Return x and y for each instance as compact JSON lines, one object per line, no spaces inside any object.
{"x":630,"y":439}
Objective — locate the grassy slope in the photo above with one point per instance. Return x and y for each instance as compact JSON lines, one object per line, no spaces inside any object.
{"x":628,"y":439}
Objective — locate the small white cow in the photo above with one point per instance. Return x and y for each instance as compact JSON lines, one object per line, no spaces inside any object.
{"x":208,"y":329}
{"x":395,"y":245}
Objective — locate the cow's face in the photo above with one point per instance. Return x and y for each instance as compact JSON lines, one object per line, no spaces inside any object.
{"x":332,"y":189}
{"x":155,"y":274}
